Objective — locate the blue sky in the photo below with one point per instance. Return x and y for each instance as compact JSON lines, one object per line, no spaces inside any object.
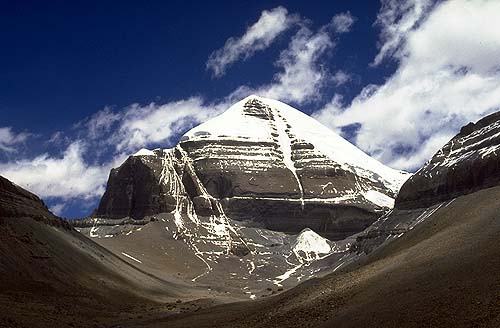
{"x":83,"y":85}
{"x":63,"y":61}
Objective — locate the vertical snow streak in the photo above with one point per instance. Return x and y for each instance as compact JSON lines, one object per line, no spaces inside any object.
{"x":214,"y":225}
{"x":170,"y":179}
{"x":94,"y":228}
{"x":217,"y":228}
{"x":285,"y":144}
{"x":220,"y":215}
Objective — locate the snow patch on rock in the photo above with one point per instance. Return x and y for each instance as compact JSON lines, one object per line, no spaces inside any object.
{"x":379,"y":198}
{"x":309,"y":246}
{"x":144,"y":152}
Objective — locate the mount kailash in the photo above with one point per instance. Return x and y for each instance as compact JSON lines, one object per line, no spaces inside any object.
{"x":259,"y":197}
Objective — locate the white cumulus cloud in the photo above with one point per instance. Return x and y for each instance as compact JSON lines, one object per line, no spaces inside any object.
{"x":108,"y":137}
{"x":448,"y":75}
{"x":140,"y":126}
{"x":65,"y":177}
{"x":396,"y":19}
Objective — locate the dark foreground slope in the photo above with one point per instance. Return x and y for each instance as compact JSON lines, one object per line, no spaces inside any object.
{"x":443,"y":273}
{"x":51,"y":276}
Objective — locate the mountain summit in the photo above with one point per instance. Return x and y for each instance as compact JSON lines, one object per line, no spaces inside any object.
{"x":265,"y":163}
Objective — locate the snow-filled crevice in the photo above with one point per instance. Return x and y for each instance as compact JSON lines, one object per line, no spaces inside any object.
{"x":196,"y":231}
{"x":285,"y":144}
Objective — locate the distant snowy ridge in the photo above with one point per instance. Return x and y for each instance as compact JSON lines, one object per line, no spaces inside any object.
{"x":144,"y":152}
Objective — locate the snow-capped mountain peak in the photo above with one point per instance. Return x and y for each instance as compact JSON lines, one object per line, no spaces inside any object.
{"x":260,"y":161}
{"x":259,"y":119}
{"x":262,"y":188}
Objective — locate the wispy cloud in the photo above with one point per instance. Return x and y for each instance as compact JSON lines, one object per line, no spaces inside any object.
{"x":340,"y":78}
{"x":448,"y":74}
{"x":396,"y":19}
{"x":257,"y":37}
{"x":302,"y":74}
{"x":342,"y":22}
{"x":10,"y":139}
{"x":142,"y":126}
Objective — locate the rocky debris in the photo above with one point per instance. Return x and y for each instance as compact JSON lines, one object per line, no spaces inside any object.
{"x":90,"y":222}
{"x":467,"y":163}
{"x":216,"y":250}
{"x":391,"y":226}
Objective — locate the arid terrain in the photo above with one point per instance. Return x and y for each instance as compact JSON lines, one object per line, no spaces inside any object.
{"x":444,"y":273}
{"x":433,"y":260}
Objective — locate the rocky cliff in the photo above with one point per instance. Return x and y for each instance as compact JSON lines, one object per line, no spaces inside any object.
{"x":467,"y":163}
{"x":16,"y":202}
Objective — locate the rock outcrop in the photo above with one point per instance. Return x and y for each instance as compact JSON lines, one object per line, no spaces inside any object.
{"x":133,"y":190}
{"x":16,"y":202}
{"x":467,"y":163}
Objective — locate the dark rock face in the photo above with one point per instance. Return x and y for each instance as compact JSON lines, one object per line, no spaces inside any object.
{"x":263,"y":163}
{"x":467,"y":163}
{"x":334,"y":222}
{"x":133,"y":190}
{"x":16,"y":202}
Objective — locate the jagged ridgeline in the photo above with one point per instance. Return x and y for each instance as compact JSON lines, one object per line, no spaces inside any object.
{"x":261,"y":162}
{"x":467,"y":163}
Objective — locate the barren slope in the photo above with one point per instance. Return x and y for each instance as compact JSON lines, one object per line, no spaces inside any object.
{"x":443,"y":273}
{"x":53,"y":276}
